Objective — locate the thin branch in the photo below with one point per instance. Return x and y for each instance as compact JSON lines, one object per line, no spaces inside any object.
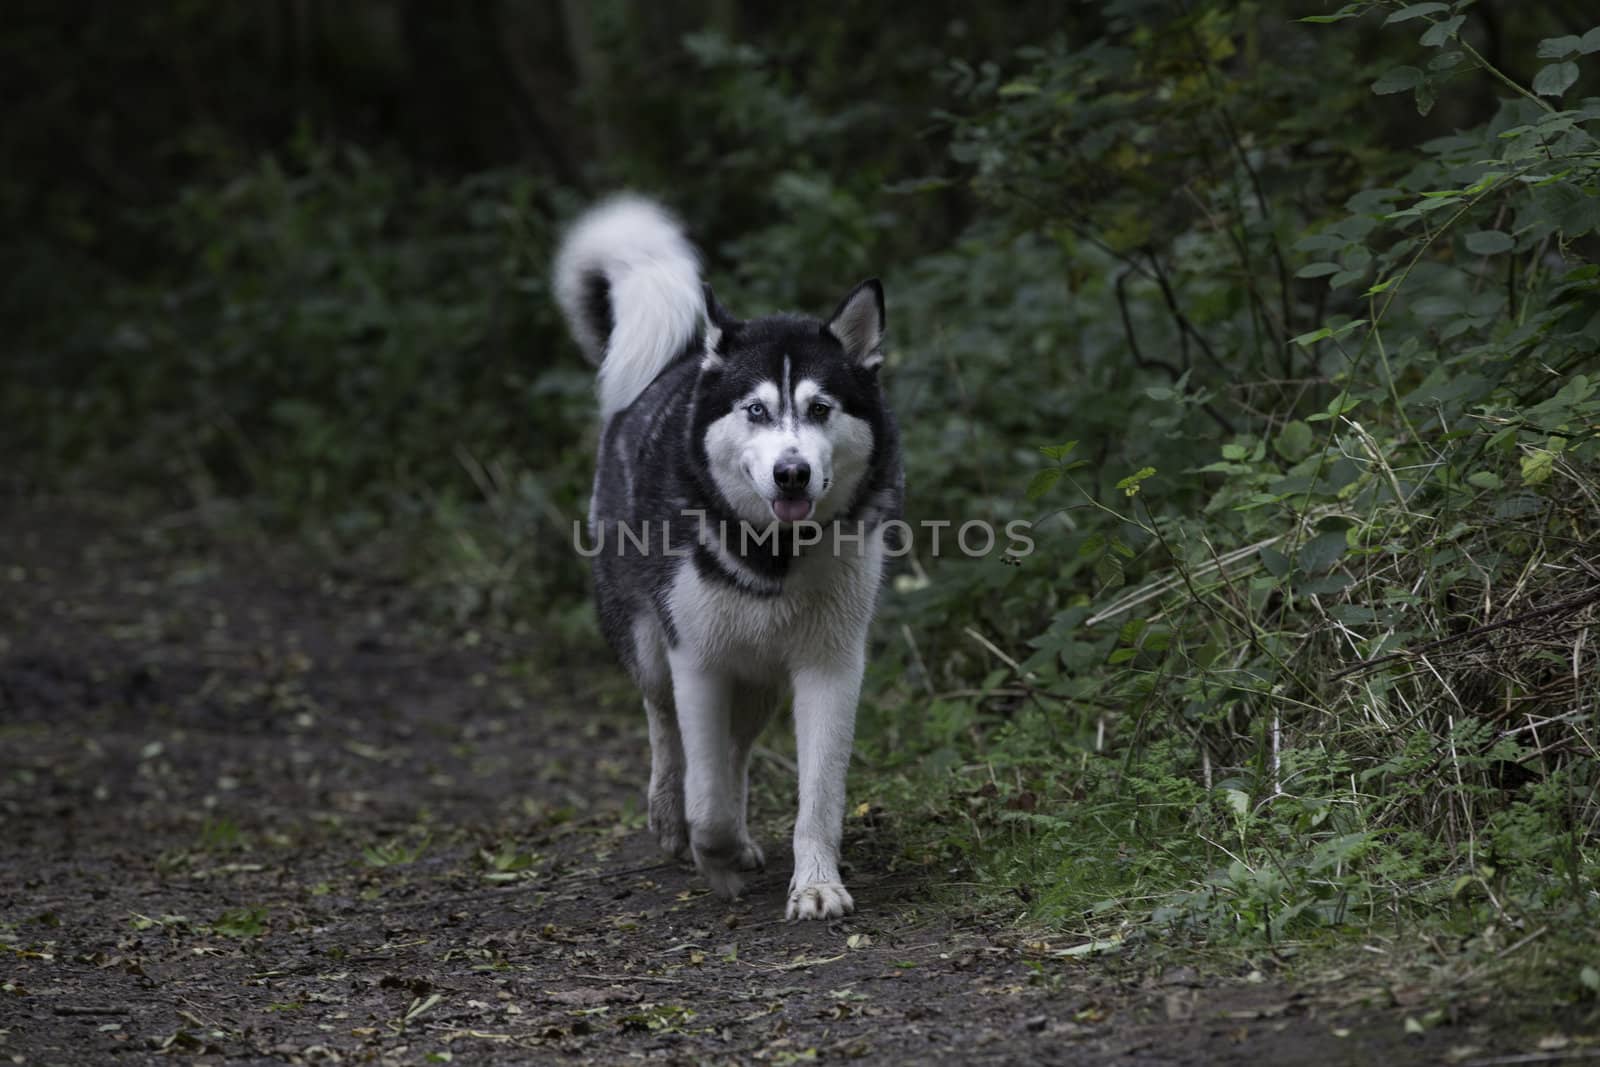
{"x":1139,"y":358}
{"x":1573,"y":604}
{"x":1184,"y":325}
{"x":1133,"y":336}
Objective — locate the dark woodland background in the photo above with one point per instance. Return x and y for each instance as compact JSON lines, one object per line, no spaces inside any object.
{"x":1280,"y":320}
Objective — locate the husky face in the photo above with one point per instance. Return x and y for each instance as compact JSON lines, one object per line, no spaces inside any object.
{"x":788,"y":409}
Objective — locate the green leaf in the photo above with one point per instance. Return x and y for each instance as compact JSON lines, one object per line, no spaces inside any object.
{"x":1489,"y":242}
{"x":1590,"y":42}
{"x":1349,"y":11}
{"x":1306,"y":340}
{"x":1130,"y":484}
{"x":1059,"y":452}
{"x":1537,"y":465}
{"x":1353,"y":614}
{"x":1320,"y":242}
{"x":1108,"y":571}
{"x":1559,"y":47}
{"x":1042,"y":482}
{"x":1398,"y":80}
{"x":1426,"y":98}
{"x":1276,"y":563}
{"x":1020,"y":87}
{"x":1294,"y":441}
{"x":1555,"y":79}
{"x":1321,"y":552}
{"x":1579,"y":216}
{"x":1416,"y":11}
{"x":1317,"y":270}
{"x":1484,"y":480}
{"x":1441,"y":32}
{"x":1337,"y":406}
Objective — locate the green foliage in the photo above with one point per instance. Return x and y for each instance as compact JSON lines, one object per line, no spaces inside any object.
{"x":242,"y":922}
{"x":334,"y":309}
{"x":1367,"y":373}
{"x":393,"y":853}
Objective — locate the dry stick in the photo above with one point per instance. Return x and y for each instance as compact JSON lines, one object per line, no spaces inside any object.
{"x":1573,"y":604}
{"x":1562,"y":1056}
{"x":622,"y":978}
{"x":922,"y":666}
{"x":776,"y":758}
{"x":1162,"y":586}
{"x":990,"y":645}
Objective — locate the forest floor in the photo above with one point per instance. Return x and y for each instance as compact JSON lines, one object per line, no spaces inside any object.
{"x":253,"y":812}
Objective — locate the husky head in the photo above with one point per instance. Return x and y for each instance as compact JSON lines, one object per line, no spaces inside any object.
{"x":788,"y":412}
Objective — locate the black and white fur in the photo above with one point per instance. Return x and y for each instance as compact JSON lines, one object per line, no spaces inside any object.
{"x":706,"y":421}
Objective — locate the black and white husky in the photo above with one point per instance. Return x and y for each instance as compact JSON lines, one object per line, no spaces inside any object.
{"x":746,"y":473}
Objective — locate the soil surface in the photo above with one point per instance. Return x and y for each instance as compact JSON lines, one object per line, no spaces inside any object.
{"x":253,"y":811}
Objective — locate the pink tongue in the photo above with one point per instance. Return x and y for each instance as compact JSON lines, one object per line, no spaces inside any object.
{"x":791,"y":510}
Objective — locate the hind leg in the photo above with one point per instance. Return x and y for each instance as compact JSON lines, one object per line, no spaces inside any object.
{"x":753,"y":707}
{"x":667,"y":820}
{"x":665,"y":805}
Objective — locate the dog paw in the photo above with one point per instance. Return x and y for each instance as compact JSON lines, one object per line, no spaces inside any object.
{"x":751,"y":858}
{"x":670,"y":830}
{"x":721,"y":851}
{"x":674,"y":842}
{"x":820,"y":900}
{"x":725,"y":881}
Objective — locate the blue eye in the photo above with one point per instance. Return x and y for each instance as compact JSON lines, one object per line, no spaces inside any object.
{"x":757,"y":411}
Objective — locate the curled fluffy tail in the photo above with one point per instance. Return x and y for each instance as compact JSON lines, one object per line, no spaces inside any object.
{"x":628,"y":281}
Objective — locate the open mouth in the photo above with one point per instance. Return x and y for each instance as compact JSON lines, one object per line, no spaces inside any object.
{"x":792,"y":509}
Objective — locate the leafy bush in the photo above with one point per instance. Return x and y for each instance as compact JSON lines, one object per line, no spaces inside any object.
{"x":1356,"y":639}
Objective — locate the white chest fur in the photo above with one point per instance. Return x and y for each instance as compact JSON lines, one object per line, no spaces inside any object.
{"x":819,"y":618}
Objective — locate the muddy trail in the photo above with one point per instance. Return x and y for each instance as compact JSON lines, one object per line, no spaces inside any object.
{"x":254,"y":812}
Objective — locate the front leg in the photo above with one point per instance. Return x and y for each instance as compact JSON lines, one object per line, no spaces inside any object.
{"x":824,"y":723}
{"x":704,"y":700}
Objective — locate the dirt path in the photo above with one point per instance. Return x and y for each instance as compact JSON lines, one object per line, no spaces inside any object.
{"x":253,"y":813}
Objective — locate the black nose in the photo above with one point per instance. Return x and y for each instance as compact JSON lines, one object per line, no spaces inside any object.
{"x":792,"y":474}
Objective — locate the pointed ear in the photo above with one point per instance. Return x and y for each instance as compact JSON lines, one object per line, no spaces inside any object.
{"x":718,"y":324}
{"x":716,"y":314}
{"x":859,"y":323}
